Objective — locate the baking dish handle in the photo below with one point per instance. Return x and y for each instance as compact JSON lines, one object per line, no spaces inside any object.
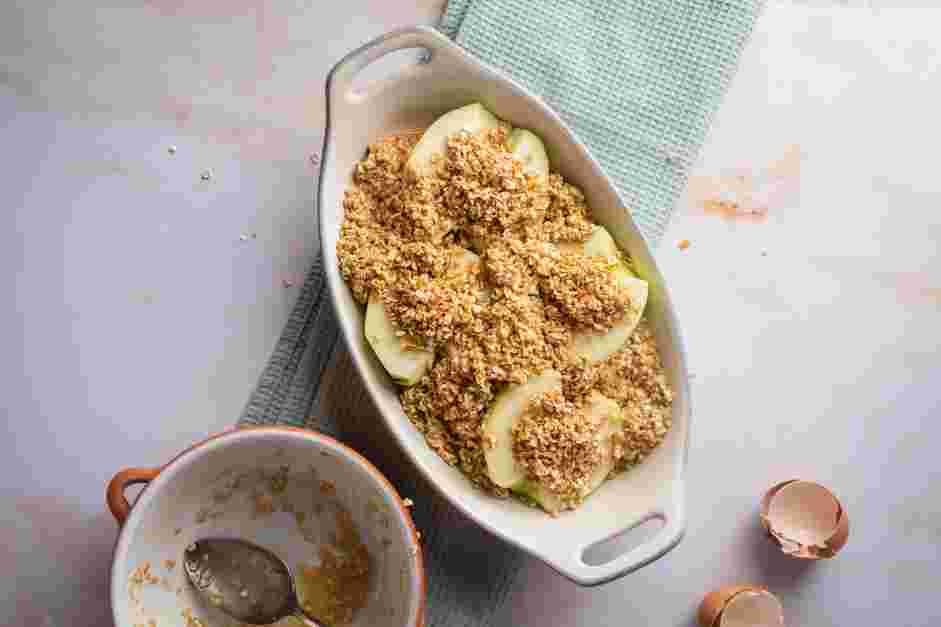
{"x":340,"y":79}
{"x":117,"y":502}
{"x":666,"y":539}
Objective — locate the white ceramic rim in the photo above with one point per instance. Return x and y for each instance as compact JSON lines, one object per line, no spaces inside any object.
{"x":190,"y":455}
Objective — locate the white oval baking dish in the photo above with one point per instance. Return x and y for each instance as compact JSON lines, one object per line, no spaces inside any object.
{"x":412,"y":98}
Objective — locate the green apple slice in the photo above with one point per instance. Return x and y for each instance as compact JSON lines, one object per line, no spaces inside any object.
{"x":508,"y":406}
{"x":594,"y":346}
{"x":472,"y":118}
{"x":547,"y":500}
{"x":599,"y":244}
{"x":610,"y":418}
{"x":529,"y":149}
{"x":403,"y":360}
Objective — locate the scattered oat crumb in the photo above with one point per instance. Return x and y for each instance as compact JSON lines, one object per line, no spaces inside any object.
{"x":169,"y":564}
{"x":177,"y":531}
{"x":407,"y":502}
{"x":328,"y":488}
{"x":264,"y":504}
{"x":191,"y":621}
{"x":683,"y":244}
{"x":207,"y":513}
{"x":206,"y":175}
{"x":142,"y":575}
{"x":279,"y":480}
{"x":338,"y":587}
{"x":138,"y":578}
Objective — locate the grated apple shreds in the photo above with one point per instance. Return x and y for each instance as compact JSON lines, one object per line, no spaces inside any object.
{"x":504,"y":319}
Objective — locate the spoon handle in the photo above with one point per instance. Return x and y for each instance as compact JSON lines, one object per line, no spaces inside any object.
{"x":304,"y":618}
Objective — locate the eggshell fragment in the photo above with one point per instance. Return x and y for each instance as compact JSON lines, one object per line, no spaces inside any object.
{"x":714,"y":602}
{"x":805,"y":519}
{"x":741,"y":606}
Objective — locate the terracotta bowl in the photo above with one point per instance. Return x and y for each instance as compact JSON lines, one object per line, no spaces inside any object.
{"x":280,"y":487}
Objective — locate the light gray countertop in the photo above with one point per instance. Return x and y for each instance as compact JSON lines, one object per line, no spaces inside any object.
{"x":138,"y":319}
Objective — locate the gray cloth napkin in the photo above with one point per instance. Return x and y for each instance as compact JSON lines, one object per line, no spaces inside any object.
{"x":642,"y":108}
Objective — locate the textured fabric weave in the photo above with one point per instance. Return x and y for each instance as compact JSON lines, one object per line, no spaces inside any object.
{"x":638,"y":81}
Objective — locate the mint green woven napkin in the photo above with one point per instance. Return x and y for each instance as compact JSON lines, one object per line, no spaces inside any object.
{"x":637,"y":80}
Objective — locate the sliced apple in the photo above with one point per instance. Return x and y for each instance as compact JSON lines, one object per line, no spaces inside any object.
{"x":594,"y":346}
{"x":507,"y":408}
{"x":609,"y":416}
{"x":547,"y":500}
{"x":529,"y":149}
{"x":601,"y":244}
{"x":472,"y":118}
{"x":612,"y":419}
{"x":402,"y":357}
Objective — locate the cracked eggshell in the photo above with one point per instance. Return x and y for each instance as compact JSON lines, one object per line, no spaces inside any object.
{"x":805,"y":519}
{"x":741,"y":606}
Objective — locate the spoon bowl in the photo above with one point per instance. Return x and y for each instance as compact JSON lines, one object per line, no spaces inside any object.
{"x":246,"y":581}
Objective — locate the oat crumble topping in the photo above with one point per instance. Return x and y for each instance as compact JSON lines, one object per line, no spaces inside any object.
{"x":556,"y":444}
{"x":504,"y":317}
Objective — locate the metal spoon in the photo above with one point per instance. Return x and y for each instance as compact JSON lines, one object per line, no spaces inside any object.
{"x":244,"y":580}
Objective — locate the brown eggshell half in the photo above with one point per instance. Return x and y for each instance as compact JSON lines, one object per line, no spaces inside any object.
{"x":713,"y":603}
{"x":752,"y":608}
{"x":796,"y":515}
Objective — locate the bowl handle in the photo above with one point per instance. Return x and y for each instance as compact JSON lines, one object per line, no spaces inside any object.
{"x":573,"y":565}
{"x":340,"y":78}
{"x":117,"y":502}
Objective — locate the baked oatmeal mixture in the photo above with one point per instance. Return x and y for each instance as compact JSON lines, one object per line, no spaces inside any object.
{"x":504,"y":318}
